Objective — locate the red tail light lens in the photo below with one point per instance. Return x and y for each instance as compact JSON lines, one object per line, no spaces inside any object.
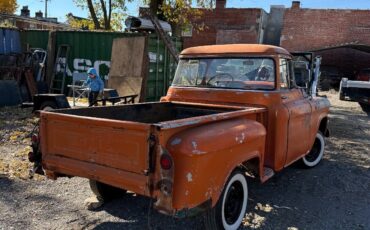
{"x":166,"y":162}
{"x":35,"y":138}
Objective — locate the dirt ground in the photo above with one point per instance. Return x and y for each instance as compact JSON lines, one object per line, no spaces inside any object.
{"x":334,"y":195}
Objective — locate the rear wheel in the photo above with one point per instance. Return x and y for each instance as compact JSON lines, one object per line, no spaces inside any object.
{"x":106,"y":192}
{"x":230,"y":209}
{"x":316,"y":153}
{"x":48,"y":106}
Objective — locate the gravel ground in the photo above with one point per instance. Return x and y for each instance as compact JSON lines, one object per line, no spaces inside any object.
{"x":334,"y":195}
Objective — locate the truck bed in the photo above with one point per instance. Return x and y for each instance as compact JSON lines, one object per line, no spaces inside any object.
{"x":148,"y":113}
{"x":113,"y":144}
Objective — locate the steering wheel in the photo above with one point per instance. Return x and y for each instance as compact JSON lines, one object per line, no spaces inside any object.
{"x":219,"y":75}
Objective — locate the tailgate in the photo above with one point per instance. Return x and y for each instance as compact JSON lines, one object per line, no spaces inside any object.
{"x":95,"y":143}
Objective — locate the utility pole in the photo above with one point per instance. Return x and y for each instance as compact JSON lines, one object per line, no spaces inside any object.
{"x":46,"y":8}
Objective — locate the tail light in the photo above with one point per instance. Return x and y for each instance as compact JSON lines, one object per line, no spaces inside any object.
{"x":166,"y":161}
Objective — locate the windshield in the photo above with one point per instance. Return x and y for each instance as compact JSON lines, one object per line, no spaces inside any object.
{"x":233,"y":73}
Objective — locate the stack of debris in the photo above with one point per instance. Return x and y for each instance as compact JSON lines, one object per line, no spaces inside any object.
{"x":21,"y":76}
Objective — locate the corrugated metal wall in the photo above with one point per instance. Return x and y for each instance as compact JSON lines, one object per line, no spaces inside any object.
{"x":34,"y":39}
{"x":162,"y":67}
{"x":89,"y":49}
{"x":9,"y":41}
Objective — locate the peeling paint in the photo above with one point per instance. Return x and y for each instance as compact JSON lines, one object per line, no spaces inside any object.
{"x":186,"y":192}
{"x":266,"y":95}
{"x":175,"y":141}
{"x":240,"y":139}
{"x":194,"y":144}
{"x":189,"y":177}
{"x":180,"y":124}
{"x":208,"y":194}
{"x":198,"y":152}
{"x":243,"y":138}
{"x":195,"y":150}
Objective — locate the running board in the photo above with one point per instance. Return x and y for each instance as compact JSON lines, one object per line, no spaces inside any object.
{"x":267,"y":174}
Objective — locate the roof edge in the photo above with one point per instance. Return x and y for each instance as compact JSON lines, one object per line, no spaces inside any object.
{"x":234,"y":49}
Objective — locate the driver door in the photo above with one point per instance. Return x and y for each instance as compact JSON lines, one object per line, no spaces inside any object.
{"x":295,"y":100}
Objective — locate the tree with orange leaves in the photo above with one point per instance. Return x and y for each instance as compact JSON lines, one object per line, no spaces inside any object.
{"x":8,"y":6}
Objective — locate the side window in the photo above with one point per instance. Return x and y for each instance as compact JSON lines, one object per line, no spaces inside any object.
{"x":284,"y":70}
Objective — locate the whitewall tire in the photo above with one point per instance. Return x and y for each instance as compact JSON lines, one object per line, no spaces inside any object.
{"x":316,"y":153}
{"x":230,"y":209}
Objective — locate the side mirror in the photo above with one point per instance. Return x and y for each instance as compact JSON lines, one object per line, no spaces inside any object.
{"x":302,"y":73}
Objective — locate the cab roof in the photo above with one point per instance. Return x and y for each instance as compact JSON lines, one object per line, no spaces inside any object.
{"x":234,"y":49}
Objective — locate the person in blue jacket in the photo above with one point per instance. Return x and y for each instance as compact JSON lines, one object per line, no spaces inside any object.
{"x":95,"y":84}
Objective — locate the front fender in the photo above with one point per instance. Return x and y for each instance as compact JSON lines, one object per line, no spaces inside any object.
{"x":204,"y":157}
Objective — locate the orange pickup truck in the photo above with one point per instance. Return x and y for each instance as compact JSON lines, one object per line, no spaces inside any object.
{"x":232,"y":111}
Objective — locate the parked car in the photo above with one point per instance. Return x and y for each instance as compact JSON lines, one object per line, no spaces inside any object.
{"x":230,"y":109}
{"x":358,"y":91}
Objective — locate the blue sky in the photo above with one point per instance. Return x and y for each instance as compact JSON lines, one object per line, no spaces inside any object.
{"x":59,"y":8}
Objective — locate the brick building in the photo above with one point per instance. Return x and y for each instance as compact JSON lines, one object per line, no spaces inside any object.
{"x":228,"y":25}
{"x":339,"y":36}
{"x":313,"y":29}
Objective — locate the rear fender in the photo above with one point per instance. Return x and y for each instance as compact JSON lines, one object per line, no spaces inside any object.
{"x":206,"y":155}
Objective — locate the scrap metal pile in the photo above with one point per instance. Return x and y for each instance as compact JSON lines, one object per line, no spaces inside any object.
{"x":27,"y":69}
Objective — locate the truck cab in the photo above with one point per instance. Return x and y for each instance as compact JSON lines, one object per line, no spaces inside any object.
{"x":255,"y":75}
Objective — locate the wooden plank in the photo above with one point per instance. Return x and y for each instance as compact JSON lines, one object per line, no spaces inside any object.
{"x":126,"y":85}
{"x":31,"y":84}
{"x":127,"y":62}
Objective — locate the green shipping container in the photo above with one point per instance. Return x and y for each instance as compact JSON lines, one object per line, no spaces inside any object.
{"x":162,"y":68}
{"x":34,"y":39}
{"x":93,"y":49}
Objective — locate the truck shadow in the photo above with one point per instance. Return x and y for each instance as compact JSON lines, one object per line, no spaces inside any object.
{"x":136,"y":214}
{"x":326,"y":197}
{"x":333,"y":195}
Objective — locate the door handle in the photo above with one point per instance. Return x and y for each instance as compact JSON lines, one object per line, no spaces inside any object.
{"x":284,"y":97}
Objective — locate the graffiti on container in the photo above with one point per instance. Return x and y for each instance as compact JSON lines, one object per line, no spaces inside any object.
{"x":82,"y":65}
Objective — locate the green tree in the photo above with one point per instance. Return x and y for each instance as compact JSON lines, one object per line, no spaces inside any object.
{"x":80,"y":23}
{"x":106,"y":15}
{"x":179,"y":13}
{"x":109,"y":14}
{"x":8,"y":6}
